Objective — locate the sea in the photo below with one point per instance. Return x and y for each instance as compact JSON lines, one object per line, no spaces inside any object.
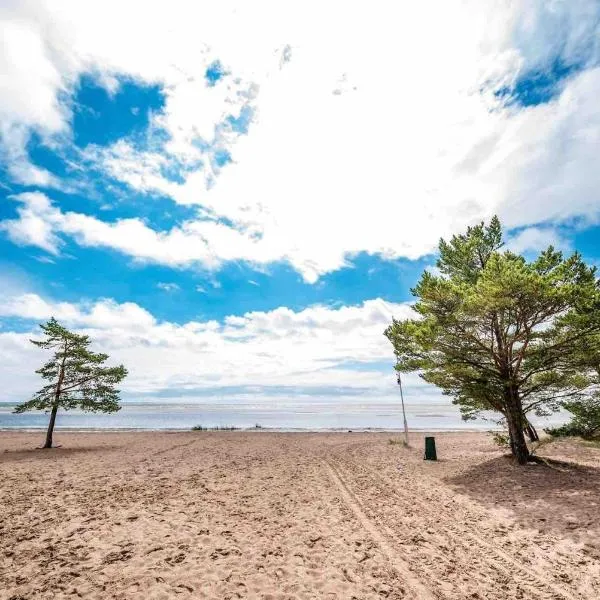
{"x":326,"y":415}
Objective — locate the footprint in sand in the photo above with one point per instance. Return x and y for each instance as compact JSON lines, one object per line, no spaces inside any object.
{"x":176,"y":559}
{"x":120,"y":555}
{"x":224,"y":552}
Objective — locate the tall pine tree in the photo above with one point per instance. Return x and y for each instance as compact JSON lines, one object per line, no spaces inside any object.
{"x":77,"y":376}
{"x":499,"y":333}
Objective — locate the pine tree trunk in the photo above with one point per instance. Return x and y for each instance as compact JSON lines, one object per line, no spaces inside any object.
{"x":518,"y":445}
{"x":61,"y":378}
{"x":50,"y":431}
{"x":532,"y":434}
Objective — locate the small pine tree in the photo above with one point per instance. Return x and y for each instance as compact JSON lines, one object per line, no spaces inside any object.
{"x":77,"y":377}
{"x":585,"y":421}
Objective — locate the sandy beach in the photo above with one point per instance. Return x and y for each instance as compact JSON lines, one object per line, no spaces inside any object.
{"x":293,"y":516}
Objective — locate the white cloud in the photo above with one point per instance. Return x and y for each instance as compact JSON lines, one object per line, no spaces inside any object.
{"x":536,"y":239}
{"x":167,"y":286}
{"x":207,"y":243}
{"x":104,"y":314}
{"x":45,"y":260}
{"x":312,"y":348}
{"x":34,"y":226}
{"x":376,"y":127}
{"x":30,"y":79}
{"x":13,"y":141}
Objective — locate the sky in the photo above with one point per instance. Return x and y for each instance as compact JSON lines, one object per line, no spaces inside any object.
{"x":236,"y":197}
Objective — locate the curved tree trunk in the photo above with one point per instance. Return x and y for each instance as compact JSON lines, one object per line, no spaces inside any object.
{"x":61,"y":378}
{"x":518,"y":445}
{"x":50,"y":431}
{"x":532,"y":434}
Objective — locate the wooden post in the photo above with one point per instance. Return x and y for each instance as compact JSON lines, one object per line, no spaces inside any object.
{"x":403,"y":410}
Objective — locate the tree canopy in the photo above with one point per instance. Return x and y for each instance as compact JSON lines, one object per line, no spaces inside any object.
{"x":77,"y":376}
{"x":498,"y":332}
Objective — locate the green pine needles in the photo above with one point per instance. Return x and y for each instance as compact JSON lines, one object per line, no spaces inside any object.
{"x":497,"y":332}
{"x":77,"y":376}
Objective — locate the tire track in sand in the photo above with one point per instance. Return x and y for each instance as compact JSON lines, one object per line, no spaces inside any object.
{"x":495,"y":559}
{"x":419,"y":590}
{"x":171,"y":448}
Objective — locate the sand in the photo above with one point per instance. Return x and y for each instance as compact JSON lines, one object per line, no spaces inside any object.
{"x":293,"y":516}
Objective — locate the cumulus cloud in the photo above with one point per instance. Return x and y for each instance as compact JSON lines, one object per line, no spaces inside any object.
{"x":316,"y":348}
{"x":374,"y":128}
{"x":34,"y":225}
{"x":207,"y":242}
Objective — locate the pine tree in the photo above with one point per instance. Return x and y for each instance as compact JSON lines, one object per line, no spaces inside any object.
{"x":498,"y":333}
{"x":77,"y":377}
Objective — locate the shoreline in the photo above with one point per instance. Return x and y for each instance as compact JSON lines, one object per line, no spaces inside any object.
{"x":243,"y":430}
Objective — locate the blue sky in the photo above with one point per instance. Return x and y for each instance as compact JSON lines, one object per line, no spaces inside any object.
{"x":259,"y":207}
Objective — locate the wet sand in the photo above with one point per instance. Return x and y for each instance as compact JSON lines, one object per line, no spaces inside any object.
{"x":293,"y":516}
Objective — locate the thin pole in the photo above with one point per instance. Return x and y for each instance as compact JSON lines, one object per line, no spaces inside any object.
{"x":403,"y":410}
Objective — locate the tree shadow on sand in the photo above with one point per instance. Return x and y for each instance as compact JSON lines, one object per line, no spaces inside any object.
{"x":557,"y":497}
{"x":49,"y":454}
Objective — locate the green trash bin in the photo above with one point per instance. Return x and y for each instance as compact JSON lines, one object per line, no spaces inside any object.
{"x":430,"y":453}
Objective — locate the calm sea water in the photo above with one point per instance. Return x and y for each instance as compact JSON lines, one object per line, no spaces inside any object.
{"x":288,"y":416}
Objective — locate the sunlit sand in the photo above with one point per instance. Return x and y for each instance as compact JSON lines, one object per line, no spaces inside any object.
{"x":286,"y":516}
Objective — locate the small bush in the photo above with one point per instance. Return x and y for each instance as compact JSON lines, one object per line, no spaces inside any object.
{"x":566,"y":430}
{"x":500,"y":438}
{"x":585,"y":422}
{"x":215,"y":428}
{"x":397,"y":442}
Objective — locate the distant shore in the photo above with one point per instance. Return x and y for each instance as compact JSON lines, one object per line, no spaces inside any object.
{"x":289,"y":416}
{"x":245,"y":430}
